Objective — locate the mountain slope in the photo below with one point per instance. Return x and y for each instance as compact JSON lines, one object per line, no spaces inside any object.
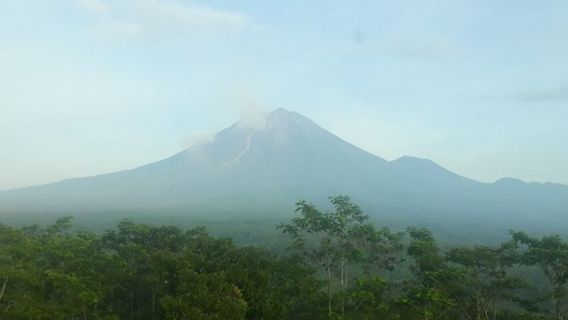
{"x":288,"y":157}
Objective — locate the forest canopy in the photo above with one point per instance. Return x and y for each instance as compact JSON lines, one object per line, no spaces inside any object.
{"x":337,"y":266}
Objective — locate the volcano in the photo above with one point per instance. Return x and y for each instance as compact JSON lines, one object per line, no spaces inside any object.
{"x":285,"y":157}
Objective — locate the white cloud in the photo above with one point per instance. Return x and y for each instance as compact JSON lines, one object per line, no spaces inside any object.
{"x":96,"y":6}
{"x":250,"y":115}
{"x":193,"y":17}
{"x":136,"y":18}
{"x":196,"y":139}
{"x":118,"y":29}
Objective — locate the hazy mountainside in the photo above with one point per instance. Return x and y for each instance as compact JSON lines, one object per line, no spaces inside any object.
{"x":268,"y":166}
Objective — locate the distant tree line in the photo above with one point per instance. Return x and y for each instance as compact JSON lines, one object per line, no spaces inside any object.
{"x":338,"y":266}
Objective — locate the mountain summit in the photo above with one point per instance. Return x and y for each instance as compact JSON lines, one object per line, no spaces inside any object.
{"x":268,"y":164}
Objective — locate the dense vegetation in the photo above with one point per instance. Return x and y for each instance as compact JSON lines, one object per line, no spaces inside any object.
{"x":338,"y":266}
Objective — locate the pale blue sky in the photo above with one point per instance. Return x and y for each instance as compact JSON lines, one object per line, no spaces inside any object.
{"x":93,"y":86}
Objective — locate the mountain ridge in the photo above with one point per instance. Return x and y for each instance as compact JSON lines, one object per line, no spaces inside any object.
{"x":282,"y":157}
{"x":283,"y":111}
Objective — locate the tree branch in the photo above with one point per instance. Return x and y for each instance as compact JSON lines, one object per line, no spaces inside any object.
{"x":3,"y":289}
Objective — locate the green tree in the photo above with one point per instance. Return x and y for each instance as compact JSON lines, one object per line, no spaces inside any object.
{"x":550,"y":254}
{"x":338,"y":241}
{"x":368,"y":299}
{"x":204,"y":296}
{"x":430,"y":295}
{"x":486,"y":282}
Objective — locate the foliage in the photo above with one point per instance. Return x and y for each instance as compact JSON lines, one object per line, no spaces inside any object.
{"x":337,"y":241}
{"x":339,"y":266}
{"x":550,"y":254}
